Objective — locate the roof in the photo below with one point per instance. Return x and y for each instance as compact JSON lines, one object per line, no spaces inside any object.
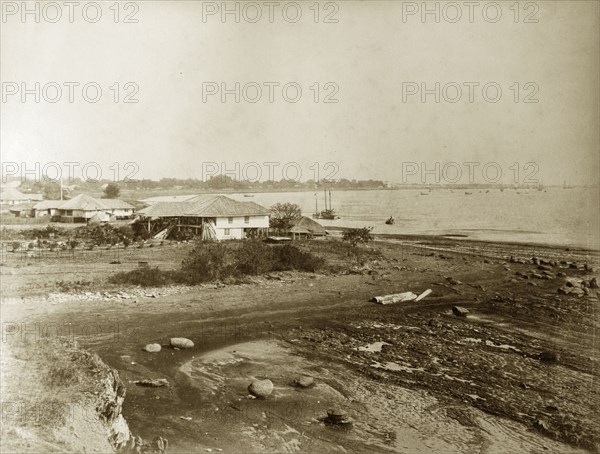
{"x":11,"y":184}
{"x":48,"y":204}
{"x":116,"y":204}
{"x":169,"y":198}
{"x":205,"y":206}
{"x":85,"y":202}
{"x":221,"y":206}
{"x":308,"y":226}
{"x":21,"y":207}
{"x":14,"y":194}
{"x":164,"y":209}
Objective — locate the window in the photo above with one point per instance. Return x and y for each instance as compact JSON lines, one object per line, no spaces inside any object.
{"x":247,"y":219}
{"x":230,"y":220}
{"x":227,"y":232}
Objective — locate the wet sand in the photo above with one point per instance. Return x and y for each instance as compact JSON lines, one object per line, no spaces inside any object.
{"x":442,"y":384}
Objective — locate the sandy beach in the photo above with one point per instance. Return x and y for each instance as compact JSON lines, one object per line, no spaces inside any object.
{"x":518,"y":370}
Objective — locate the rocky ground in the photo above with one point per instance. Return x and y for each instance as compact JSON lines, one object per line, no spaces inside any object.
{"x":503,"y":352}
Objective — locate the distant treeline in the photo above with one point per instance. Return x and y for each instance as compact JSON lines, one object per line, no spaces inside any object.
{"x":217,"y":182}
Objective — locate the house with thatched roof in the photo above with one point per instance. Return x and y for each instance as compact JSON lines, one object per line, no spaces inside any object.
{"x":83,"y":207}
{"x":209,"y":216}
{"x":22,"y":210}
{"x":12,"y":196}
{"x":307,"y":228}
{"x":47,"y":208}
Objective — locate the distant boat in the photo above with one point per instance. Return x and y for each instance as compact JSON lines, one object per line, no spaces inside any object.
{"x":248,"y":195}
{"x":468,"y":193}
{"x":390,"y":221}
{"x":424,"y":193}
{"x":327,"y":213}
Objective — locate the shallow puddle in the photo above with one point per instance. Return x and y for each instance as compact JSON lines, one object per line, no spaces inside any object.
{"x":386,"y":417}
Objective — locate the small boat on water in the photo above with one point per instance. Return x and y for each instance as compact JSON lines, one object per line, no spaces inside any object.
{"x":424,"y":193}
{"x":468,"y":193}
{"x":248,"y":195}
{"x":390,"y":221}
{"x":327,"y":213}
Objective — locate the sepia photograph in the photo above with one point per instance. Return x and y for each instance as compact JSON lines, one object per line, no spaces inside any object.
{"x":352,"y":226}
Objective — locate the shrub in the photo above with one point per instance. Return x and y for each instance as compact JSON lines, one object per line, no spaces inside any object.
{"x":356,"y":236}
{"x":289,"y":257}
{"x":205,"y":262}
{"x":254,"y":257}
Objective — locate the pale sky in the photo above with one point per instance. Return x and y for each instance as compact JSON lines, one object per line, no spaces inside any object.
{"x":368,"y":54}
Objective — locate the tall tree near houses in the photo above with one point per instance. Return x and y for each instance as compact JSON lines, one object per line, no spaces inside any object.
{"x":111,"y":191}
{"x":284,"y":216}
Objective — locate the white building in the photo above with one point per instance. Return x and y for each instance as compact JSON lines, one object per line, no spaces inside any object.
{"x":212,"y":216}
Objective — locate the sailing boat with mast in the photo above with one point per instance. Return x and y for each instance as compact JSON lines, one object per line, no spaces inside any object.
{"x":328,"y":213}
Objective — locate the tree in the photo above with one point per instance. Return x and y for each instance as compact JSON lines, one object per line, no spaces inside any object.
{"x":356,"y":236}
{"x":284,"y":216}
{"x":51,"y":190}
{"x":112,"y":191}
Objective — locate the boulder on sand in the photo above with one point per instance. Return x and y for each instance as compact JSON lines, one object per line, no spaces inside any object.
{"x":152,"y":348}
{"x":181,"y":342}
{"x":337,"y":417}
{"x":303,"y":382}
{"x":156,"y":383}
{"x":564,"y":290}
{"x":460,"y":311}
{"x":261,"y":388}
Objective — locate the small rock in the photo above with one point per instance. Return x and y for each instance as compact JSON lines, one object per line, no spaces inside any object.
{"x":545,"y":267}
{"x":152,"y":348}
{"x":577,"y":292}
{"x":181,"y":342}
{"x":157,"y":383}
{"x":537,"y":275}
{"x":453,"y":281}
{"x":261,"y":388}
{"x":303,"y":382}
{"x":573,"y":266}
{"x":549,"y":356}
{"x":564,"y":290}
{"x":593,"y":283}
{"x":338,"y":417}
{"x":460,"y":311}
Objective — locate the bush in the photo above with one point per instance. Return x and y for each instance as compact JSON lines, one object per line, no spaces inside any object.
{"x":254,"y":257}
{"x":356,"y":236}
{"x":289,"y":257}
{"x":211,"y":261}
{"x":205,"y":262}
